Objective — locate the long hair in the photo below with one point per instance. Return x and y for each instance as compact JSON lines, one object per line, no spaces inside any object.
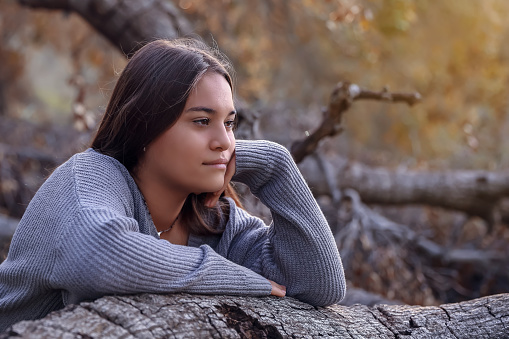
{"x":148,"y":98}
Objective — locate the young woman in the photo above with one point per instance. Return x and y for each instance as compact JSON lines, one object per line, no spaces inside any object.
{"x":149,"y":207}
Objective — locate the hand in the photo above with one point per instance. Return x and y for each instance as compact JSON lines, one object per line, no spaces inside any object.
{"x":277,"y":290}
{"x":212,"y":198}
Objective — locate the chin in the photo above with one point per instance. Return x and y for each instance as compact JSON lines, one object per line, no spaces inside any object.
{"x":209,"y":188}
{"x":218,"y":184}
{"x":216,"y":188}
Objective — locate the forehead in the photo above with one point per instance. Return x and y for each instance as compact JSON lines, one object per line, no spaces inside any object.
{"x":211,"y":89}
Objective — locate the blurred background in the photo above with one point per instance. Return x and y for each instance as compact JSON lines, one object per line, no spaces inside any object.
{"x":57,"y":72}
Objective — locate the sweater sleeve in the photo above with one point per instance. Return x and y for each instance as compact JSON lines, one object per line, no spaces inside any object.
{"x":103,"y":253}
{"x":298,"y":249}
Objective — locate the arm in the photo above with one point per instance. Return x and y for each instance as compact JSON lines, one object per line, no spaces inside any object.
{"x":298,"y":249}
{"x":104,"y":254}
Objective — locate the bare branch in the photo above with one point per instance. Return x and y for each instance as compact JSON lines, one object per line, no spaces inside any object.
{"x":340,"y":101}
{"x":372,"y":245}
{"x":384,"y":95}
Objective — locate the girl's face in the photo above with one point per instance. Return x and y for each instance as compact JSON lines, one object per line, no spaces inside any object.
{"x":192,"y":155}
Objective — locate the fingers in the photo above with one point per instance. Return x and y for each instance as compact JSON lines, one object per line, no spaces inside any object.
{"x":277,"y":290}
{"x":230,"y":170}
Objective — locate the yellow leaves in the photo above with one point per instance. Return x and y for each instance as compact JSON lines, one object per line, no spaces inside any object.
{"x":453,"y":52}
{"x":395,"y":16}
{"x":365,"y":22}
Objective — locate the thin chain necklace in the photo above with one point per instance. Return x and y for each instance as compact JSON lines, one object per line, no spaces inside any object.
{"x":169,"y":228}
{"x":163,"y":231}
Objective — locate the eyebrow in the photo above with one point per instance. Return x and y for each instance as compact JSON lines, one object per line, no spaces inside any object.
{"x":207,"y":110}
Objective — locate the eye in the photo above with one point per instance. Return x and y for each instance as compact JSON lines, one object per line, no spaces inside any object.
{"x":202,"y":122}
{"x":230,"y":124}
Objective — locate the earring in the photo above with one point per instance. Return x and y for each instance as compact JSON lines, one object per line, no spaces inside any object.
{"x":144,"y":149}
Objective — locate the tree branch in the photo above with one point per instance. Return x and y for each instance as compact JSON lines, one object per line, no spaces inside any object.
{"x":342,"y":97}
{"x":384,"y":95}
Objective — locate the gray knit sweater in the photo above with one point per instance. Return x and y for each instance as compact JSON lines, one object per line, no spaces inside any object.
{"x":87,"y":233}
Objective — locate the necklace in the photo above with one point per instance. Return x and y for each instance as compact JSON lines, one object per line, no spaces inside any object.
{"x":163,"y":231}
{"x":169,"y":228}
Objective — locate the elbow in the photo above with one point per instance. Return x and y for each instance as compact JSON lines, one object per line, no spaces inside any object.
{"x":334,"y":291}
{"x":331,"y":285}
{"x":328,"y":290}
{"x":338,"y":293}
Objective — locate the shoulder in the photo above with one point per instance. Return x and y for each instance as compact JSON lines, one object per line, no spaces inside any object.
{"x":101,"y":181}
{"x":91,"y":163}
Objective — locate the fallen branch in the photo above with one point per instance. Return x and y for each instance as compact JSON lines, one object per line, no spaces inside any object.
{"x":342,"y":97}
{"x":126,"y":24}
{"x":404,"y":236}
{"x":392,"y":259}
{"x":476,"y":193}
{"x":184,"y":315}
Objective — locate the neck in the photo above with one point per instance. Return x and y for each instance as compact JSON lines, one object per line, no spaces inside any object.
{"x":163,"y":203}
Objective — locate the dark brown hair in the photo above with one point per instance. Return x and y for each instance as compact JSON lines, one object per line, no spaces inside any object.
{"x":148,"y":98}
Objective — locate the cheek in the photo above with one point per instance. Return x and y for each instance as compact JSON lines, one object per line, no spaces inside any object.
{"x":232,"y":141}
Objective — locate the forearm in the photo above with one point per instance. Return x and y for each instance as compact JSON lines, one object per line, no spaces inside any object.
{"x":299,"y":250}
{"x":110,"y":259}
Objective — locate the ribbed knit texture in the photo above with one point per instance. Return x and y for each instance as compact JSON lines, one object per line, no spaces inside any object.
{"x":87,"y":233}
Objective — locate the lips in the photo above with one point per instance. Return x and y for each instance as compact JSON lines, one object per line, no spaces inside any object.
{"x":220,"y":161}
{"x":220,"y":164}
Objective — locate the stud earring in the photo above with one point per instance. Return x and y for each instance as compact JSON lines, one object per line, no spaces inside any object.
{"x":144,"y":149}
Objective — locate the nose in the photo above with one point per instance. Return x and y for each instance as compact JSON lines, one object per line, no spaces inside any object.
{"x":221,"y":139}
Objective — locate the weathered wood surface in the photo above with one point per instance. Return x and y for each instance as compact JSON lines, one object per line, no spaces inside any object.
{"x":195,"y":316}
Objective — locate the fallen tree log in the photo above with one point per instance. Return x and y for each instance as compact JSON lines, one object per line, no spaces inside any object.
{"x":476,"y":193}
{"x":197,"y":316}
{"x":126,"y":24}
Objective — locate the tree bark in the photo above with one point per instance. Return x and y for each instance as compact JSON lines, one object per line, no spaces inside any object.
{"x":195,"y":316}
{"x":127,"y":24}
